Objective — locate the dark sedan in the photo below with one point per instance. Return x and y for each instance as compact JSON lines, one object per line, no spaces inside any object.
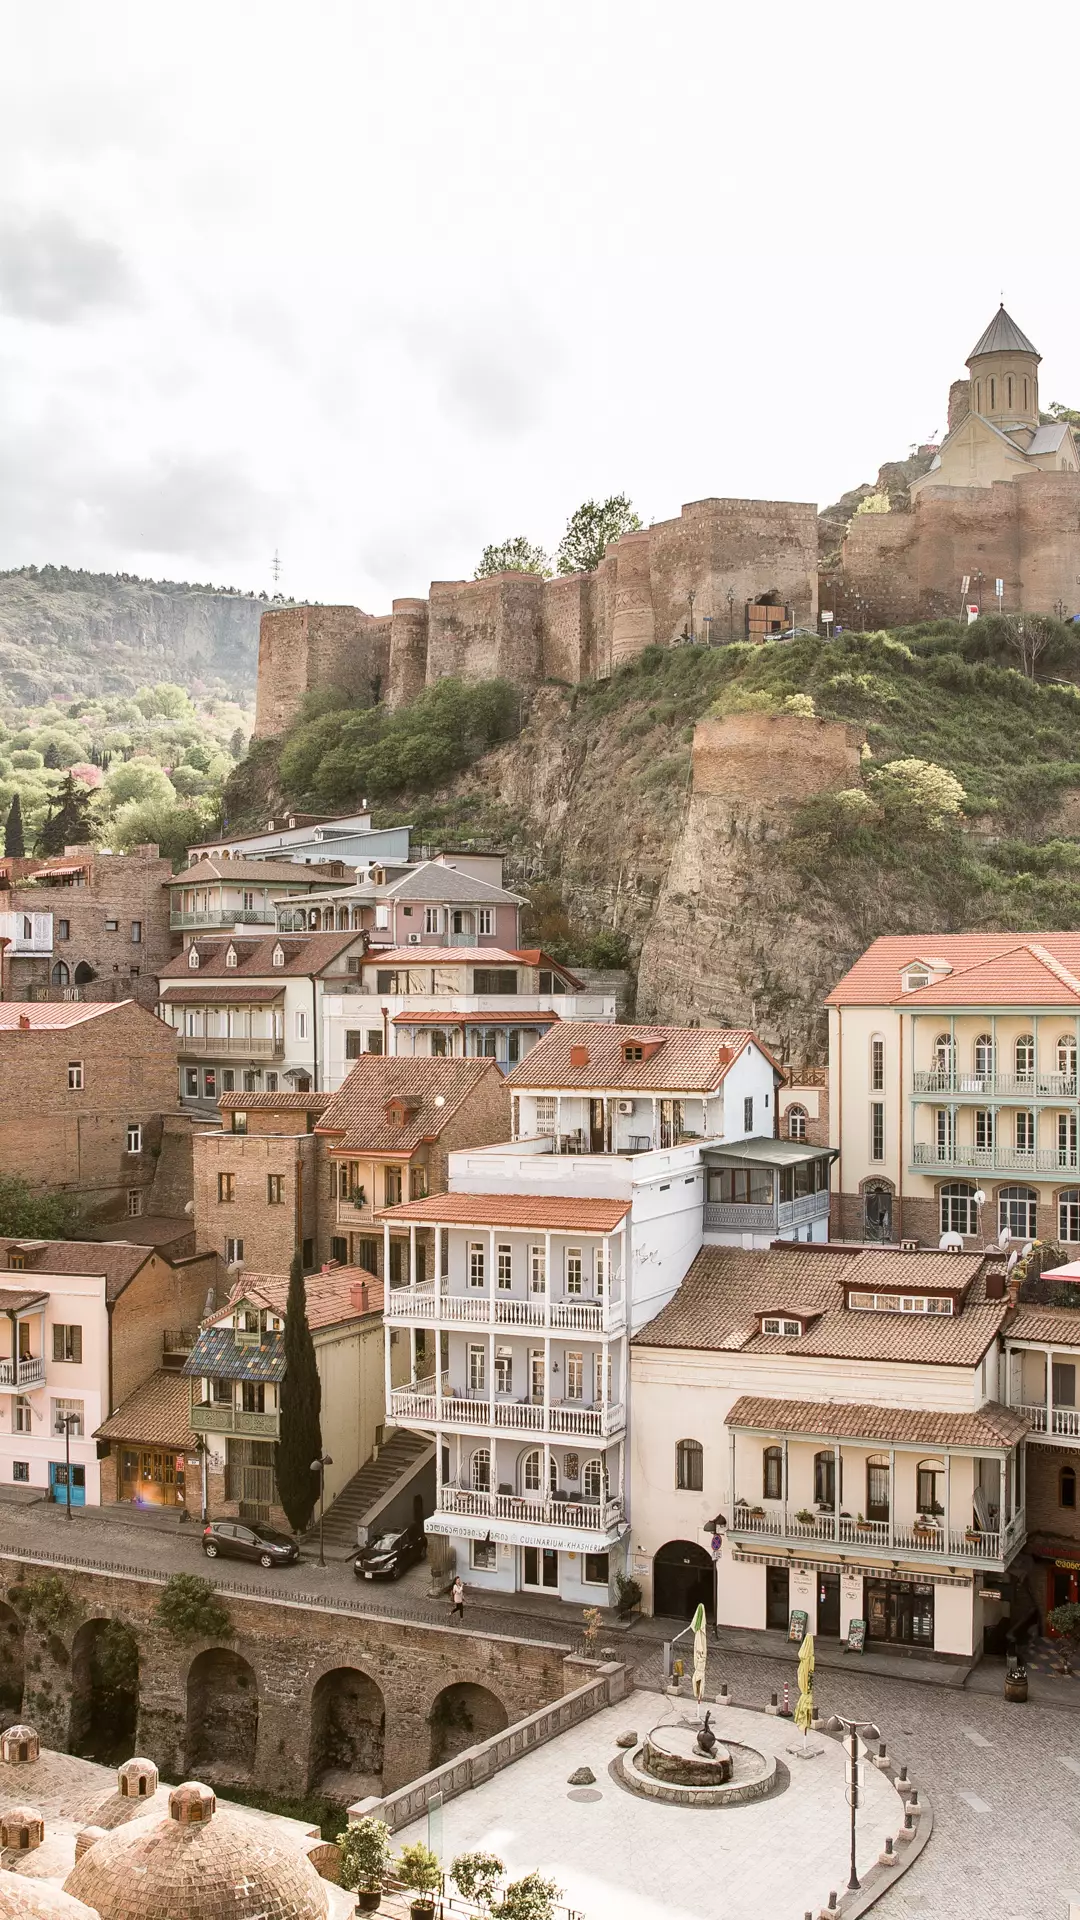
{"x":390,"y":1555}
{"x":240,"y":1540}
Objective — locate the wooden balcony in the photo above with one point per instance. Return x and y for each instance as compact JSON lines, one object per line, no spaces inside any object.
{"x":874,"y":1537}
{"x":215,"y":1417}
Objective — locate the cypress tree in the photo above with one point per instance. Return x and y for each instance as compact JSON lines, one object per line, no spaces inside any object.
{"x":14,"y":842}
{"x":300,"y":1439}
{"x":70,"y":825}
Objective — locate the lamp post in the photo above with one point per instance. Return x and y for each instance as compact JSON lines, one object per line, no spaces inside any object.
{"x":319,"y":1466}
{"x":67,"y":1421}
{"x":852,"y":1730}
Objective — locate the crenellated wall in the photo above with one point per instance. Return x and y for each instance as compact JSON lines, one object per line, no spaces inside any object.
{"x":518,"y":627}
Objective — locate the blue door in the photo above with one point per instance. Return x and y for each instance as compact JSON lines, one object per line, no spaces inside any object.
{"x":58,"y":1474}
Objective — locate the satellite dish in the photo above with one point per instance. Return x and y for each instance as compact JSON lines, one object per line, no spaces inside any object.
{"x":1026,"y":1249}
{"x":1011,"y":1262}
{"x":1003,"y":1238}
{"x":980,"y":1197}
{"x":951,"y":1243}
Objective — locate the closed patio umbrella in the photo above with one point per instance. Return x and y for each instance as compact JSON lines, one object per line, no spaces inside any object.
{"x":701,"y":1647}
{"x":804,"y":1706}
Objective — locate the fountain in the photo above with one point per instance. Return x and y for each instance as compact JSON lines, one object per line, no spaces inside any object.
{"x":682,"y":1761}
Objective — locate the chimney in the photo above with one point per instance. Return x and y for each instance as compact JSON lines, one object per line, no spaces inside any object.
{"x":358,"y":1294}
{"x":725,"y":1055}
{"x":24,"y":1023}
{"x":579,"y":1056}
{"x":995,"y":1285}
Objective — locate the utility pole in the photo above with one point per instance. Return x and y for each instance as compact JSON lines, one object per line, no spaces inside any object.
{"x":275,"y":568}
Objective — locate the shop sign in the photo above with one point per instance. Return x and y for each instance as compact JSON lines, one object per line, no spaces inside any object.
{"x":1070,"y":1566}
{"x":989,"y":1593}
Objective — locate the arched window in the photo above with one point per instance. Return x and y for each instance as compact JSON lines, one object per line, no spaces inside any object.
{"x":481,"y":1470}
{"x":1069,"y":1214}
{"x":944,"y":1057}
{"x":993,"y":393}
{"x":532,"y":1472}
{"x":60,"y":974}
{"x":1067,"y":1487}
{"x":1066,"y":1059}
{"x":193,"y":958}
{"x":930,"y":1487}
{"x":957,"y":1201}
{"x":877,"y":1486}
{"x":978,"y":396}
{"x":1016,"y":1211}
{"x":796,"y":1123}
{"x":1024,"y":1056}
{"x":592,"y":1480}
{"x":1008,"y":389}
{"x":689,"y":1466}
{"x":772,"y":1473}
{"x":825,"y":1478}
{"x":984,"y":1054}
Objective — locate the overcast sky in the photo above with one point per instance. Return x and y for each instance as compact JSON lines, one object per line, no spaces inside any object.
{"x":376,"y":283}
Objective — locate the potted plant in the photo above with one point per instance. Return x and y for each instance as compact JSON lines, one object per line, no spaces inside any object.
{"x":531,"y":1898}
{"x":418,"y":1869}
{"x":925,"y":1527}
{"x":972,"y":1535}
{"x":627,"y":1594}
{"x":757,"y":1513}
{"x":365,"y":1857}
{"x":1064,"y":1624}
{"x":476,"y":1877}
{"x":1016,"y":1682}
{"x":805,"y":1517}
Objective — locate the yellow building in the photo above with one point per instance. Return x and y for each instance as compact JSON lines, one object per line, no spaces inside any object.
{"x":994,"y":429}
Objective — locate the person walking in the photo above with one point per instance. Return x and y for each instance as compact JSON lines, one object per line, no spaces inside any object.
{"x":457,"y":1598}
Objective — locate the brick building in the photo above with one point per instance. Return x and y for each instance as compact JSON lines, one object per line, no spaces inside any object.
{"x":256,"y":1181}
{"x":95,"y":922}
{"x":84,"y":1089}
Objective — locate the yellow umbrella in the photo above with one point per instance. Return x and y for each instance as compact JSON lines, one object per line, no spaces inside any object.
{"x":804,"y":1708}
{"x":699,"y":1627}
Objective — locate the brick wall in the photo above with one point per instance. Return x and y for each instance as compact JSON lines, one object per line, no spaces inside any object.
{"x":161,"y":1296}
{"x":267,"y":1228}
{"x":128,"y":888}
{"x":1042,"y":1503}
{"x":774,"y":758}
{"x":304,"y":647}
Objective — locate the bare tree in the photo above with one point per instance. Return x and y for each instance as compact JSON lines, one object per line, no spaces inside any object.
{"x":1029,"y":635}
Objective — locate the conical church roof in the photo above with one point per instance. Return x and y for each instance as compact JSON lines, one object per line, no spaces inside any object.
{"x":1002,"y":336}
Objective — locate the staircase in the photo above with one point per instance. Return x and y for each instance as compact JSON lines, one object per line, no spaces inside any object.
{"x":370,"y":1489}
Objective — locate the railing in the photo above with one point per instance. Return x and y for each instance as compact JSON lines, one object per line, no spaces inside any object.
{"x":998,"y":1159}
{"x":201,"y":1046}
{"x":877,"y":1536}
{"x":214,"y":1418}
{"x":418,"y":1402}
{"x":225,"y":917}
{"x":752,"y":1219}
{"x":178,"y":1339}
{"x":1014,"y":1086}
{"x":353,"y":1213}
{"x":591,"y":1516}
{"x":22,"y":1373}
{"x":1063,"y":1420}
{"x":808,"y":1206}
{"x":570,"y":1315}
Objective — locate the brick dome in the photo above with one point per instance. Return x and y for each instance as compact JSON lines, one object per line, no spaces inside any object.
{"x":19,"y":1745}
{"x":198,"y":1862}
{"x":21,"y":1828}
{"x":36,"y":1900}
{"x":137,"y":1779}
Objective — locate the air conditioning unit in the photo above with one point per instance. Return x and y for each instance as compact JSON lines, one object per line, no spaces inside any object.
{"x":415,"y":939}
{"x":626,"y":1106}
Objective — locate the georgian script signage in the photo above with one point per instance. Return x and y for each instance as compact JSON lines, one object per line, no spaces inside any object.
{"x":797,"y":1624}
{"x":515,"y":1532}
{"x":856,"y":1636}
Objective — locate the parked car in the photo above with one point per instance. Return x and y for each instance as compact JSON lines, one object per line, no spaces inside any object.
{"x":390,"y":1554}
{"x":240,"y":1540}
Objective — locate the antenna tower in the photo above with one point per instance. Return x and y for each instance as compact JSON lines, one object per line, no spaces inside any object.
{"x":275,"y":567}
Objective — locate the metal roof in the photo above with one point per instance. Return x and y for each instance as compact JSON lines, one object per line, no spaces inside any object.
{"x":1002,"y":336}
{"x":768,"y":1152}
{"x":217,"y":1356}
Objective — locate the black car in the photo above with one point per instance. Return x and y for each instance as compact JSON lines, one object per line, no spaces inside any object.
{"x":243,"y":1541}
{"x":390,"y":1554}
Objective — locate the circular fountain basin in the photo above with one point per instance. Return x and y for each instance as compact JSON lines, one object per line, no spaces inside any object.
{"x":667,"y":1766}
{"x":671,"y":1754}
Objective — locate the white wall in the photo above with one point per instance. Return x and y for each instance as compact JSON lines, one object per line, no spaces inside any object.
{"x":740,"y":1596}
{"x":73,"y":1300}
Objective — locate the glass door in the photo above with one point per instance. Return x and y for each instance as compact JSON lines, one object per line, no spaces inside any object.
{"x":540,"y":1569}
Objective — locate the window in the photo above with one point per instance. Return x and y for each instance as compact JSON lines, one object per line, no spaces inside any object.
{"x":417,"y":1183}
{"x":230,"y":956}
{"x":61,"y":975}
{"x":477,"y":1369}
{"x":600,"y":1276}
{"x":374,"y":1040}
{"x":228,"y":1079}
{"x":545,"y":1113}
{"x":251,"y":1080}
{"x":1016,"y":1211}
{"x":1066,"y":1057}
{"x":1067,"y":1139}
{"x":339,"y":1249}
{"x":366,"y":1254}
{"x":1067,"y":1487}
{"x":575,"y":1376}
{"x":796,"y":1123}
{"x":772,"y":1473}
{"x":944,"y":1056}
{"x":787,"y":1329}
{"x":913,"y":981}
{"x":354,"y":1043}
{"x":483,"y":1555}
{"x":300,"y":1024}
{"x":573,"y":1270}
{"x":391,"y":1186}
{"x":537,"y":1270}
{"x":75,"y":1076}
{"x":930,"y":1487}
{"x":275,"y":1189}
{"x":877,"y":1064}
{"x":63,"y":929}
{"x":504,"y":1271}
{"x":20,"y":1470}
{"x":210,"y":1082}
{"x":1025,"y":1130}
{"x":504,"y":1370}
{"x":476,"y":1263}
{"x":877,"y":1487}
{"x":494,"y":980}
{"x":1008,"y":388}
{"x":252,"y":1396}
{"x":877,"y":1129}
{"x":744,"y":1186}
{"x":68,"y":1410}
{"x":193,"y":959}
{"x":984,"y":1127}
{"x":1024,"y":1056}
{"x":536,"y":1373}
{"x":993,"y":393}
{"x":23,"y":1414}
{"x":277,"y":958}
{"x":480,"y":1470}
{"x":1063,"y":1383}
{"x":592,"y":1480}
{"x":67,"y":1343}
{"x":825,"y":1478}
{"x":226,"y":1187}
{"x":112,"y":926}
{"x":134,"y":1137}
{"x":134,"y":1202}
{"x":900,"y":1303}
{"x":689,"y":1466}
{"x":983,"y":1054}
{"x":432,"y":919}
{"x":136,"y":933}
{"x":191,"y":1082}
{"x":957,"y":1202}
{"x":748,"y":1113}
{"x":596,"y":1569}
{"x":485,"y":920}
{"x":440,"y":1049}
{"x":1069,"y":1215}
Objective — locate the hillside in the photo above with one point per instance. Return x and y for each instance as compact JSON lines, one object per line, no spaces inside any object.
{"x":750,"y":912}
{"x":66,"y":633}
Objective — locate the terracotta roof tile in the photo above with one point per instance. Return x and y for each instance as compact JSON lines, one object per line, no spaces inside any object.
{"x":357,"y":1113}
{"x":681,"y":1060}
{"x":39,"y":1015}
{"x":987,"y":969}
{"x":305,"y":953}
{"x":1056,"y":1326}
{"x":543,"y":1211}
{"x":289,"y":1102}
{"x":329,"y":1294}
{"x":993,"y":1425}
{"x":222,"y":988}
{"x":157,"y":1414}
{"x":116,"y":1261}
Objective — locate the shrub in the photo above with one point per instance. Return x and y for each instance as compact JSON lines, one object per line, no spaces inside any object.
{"x":476,"y":1877}
{"x":531,"y":1898}
{"x":190,"y":1609}
{"x":418,"y":1869}
{"x":47,"y":1601}
{"x":365,"y":1854}
{"x":918,"y":790}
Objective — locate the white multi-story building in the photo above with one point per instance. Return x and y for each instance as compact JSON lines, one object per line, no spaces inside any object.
{"x":550,"y":1250}
{"x":54,"y":1346}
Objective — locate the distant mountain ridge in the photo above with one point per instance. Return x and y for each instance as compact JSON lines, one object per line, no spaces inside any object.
{"x":64,"y":632}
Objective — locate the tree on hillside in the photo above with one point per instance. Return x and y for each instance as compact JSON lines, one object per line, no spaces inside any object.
{"x":237,"y":743}
{"x":301,"y":1399}
{"x":589,"y":529}
{"x":1029,"y":635}
{"x":517,"y":555}
{"x":69,"y":825}
{"x":36,"y":1216}
{"x":51,"y":756}
{"x":14,"y":842}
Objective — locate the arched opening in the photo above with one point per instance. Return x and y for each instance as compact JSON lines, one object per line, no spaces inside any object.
{"x":877,"y":1211}
{"x":61,"y":974}
{"x":84,"y":973}
{"x":222,"y":1717}
{"x":104,"y":1692}
{"x":1018,"y":1211}
{"x":348,"y":1727}
{"x":796,"y":1118}
{"x":684,"y":1578}
{"x":11,"y":1663}
{"x":462,"y":1716}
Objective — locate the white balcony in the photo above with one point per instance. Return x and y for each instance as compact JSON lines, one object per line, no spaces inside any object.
{"x":418,"y":1404}
{"x":1062,"y":1423}
{"x":426,"y":1307}
{"x":18,"y":1374}
{"x":27,"y":933}
{"x":1001,"y":1086}
{"x":583,"y":1516}
{"x":875,"y":1537}
{"x":1002,"y":1158}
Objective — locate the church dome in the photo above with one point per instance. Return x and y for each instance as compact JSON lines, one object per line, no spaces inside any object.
{"x":35,"y":1900}
{"x":1002,"y":336}
{"x":197,"y":1862}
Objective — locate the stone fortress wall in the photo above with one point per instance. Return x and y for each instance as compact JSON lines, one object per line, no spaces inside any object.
{"x":519,"y":627}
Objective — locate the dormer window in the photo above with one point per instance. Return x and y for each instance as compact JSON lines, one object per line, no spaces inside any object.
{"x":278,"y":955}
{"x":901,"y":1303}
{"x":633,"y":1053}
{"x":230,"y":956}
{"x":193,"y":958}
{"x":781,"y":1326}
{"x":915,"y":978}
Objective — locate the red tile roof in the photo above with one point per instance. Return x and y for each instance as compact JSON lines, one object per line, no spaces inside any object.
{"x":544,"y":1211}
{"x":993,"y":1426}
{"x":305,"y":953}
{"x":449,"y":1019}
{"x":329,"y":1294}
{"x":357,"y":1112}
{"x":1053,"y":1326}
{"x":40,"y":1016}
{"x":157,"y":1414}
{"x":680,"y":1059}
{"x":288,"y":1102}
{"x":987,"y":969}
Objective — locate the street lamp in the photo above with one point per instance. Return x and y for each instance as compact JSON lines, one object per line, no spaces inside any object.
{"x":67,"y":1421}
{"x":852,"y":1730}
{"x":319,"y":1466}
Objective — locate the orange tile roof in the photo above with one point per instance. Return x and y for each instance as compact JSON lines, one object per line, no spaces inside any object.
{"x":40,"y":1016}
{"x":682,"y":1059}
{"x":157,"y":1414}
{"x":305,"y":953}
{"x":329,"y":1294}
{"x":357,"y":1113}
{"x":1041,"y":969}
{"x":450,"y":1019}
{"x":1054,"y":1326}
{"x":993,"y":1426}
{"x":288,"y":1101}
{"x":440,"y":956}
{"x":543,"y":1211}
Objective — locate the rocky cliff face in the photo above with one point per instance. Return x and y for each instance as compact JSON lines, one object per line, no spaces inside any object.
{"x":64,"y":633}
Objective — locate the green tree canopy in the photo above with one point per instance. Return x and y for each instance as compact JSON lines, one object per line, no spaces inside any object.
{"x":69,"y":825}
{"x":589,"y":529}
{"x":14,"y":844}
{"x":517,"y":555}
{"x":36,"y":1216}
{"x":300,"y":1439}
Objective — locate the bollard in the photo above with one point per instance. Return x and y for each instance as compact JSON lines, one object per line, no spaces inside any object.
{"x":913,"y":1801}
{"x":907,"y":1831}
{"x":881,"y":1750}
{"x":901,"y":1777}
{"x":773,"y":1706}
{"x":889,"y":1856}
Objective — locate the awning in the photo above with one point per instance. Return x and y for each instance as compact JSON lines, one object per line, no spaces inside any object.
{"x":765,"y":1151}
{"x":858,"y":1569}
{"x":518,"y":1533}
